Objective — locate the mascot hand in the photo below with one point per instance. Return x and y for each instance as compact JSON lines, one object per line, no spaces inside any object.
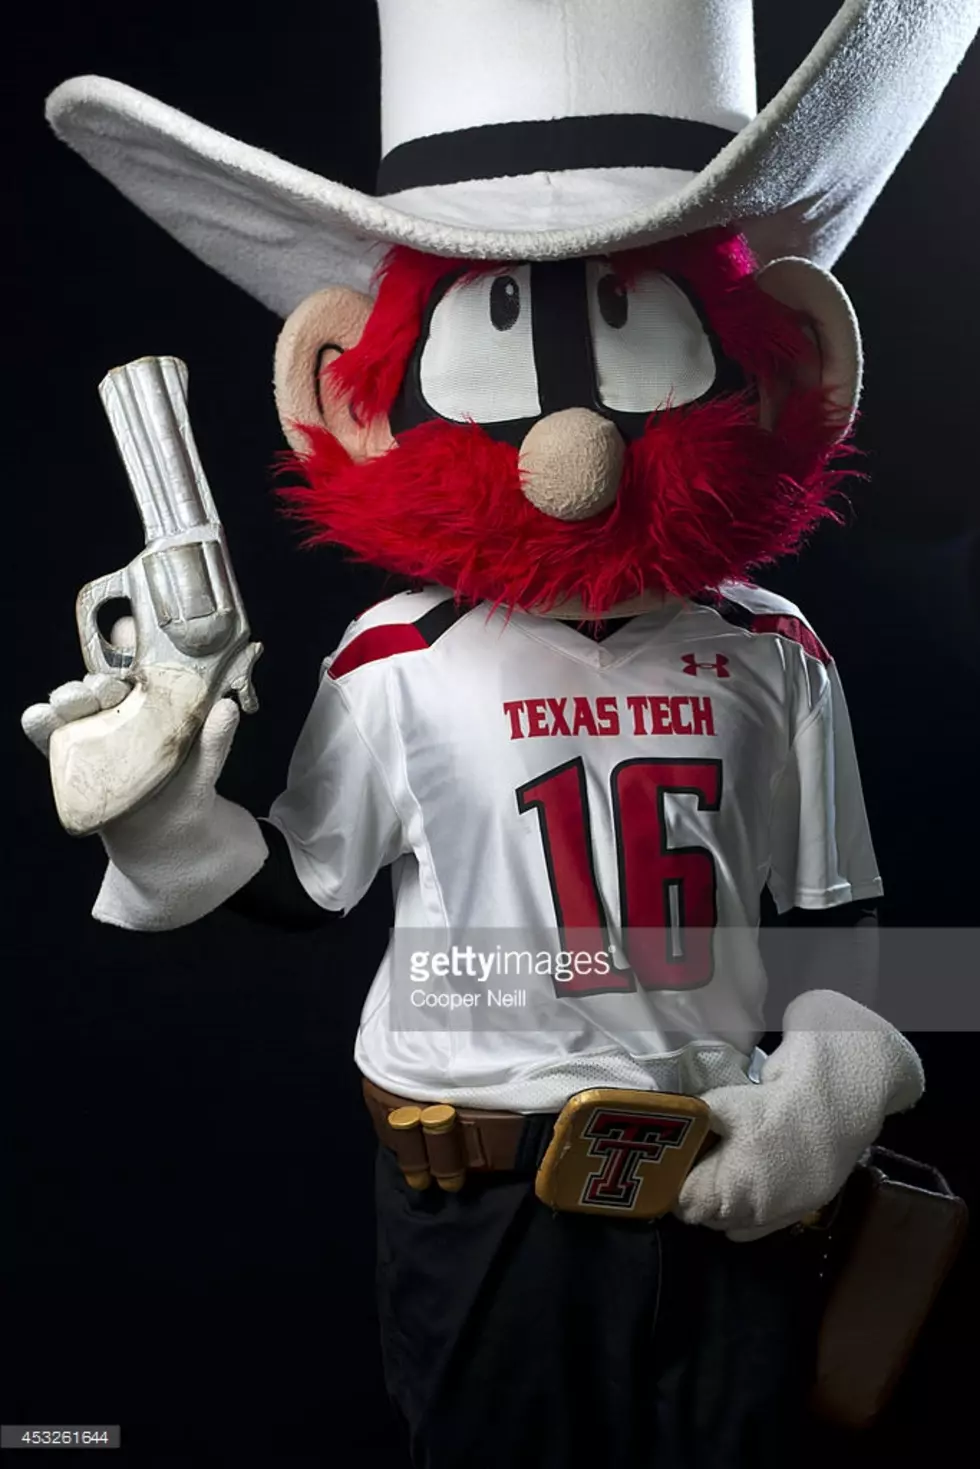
{"x":788,"y":1144}
{"x":185,"y":851}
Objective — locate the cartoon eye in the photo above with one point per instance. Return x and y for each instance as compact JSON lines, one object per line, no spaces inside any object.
{"x":650,"y":347}
{"x":478,"y":359}
{"x":613,"y":301}
{"x":505,"y":302}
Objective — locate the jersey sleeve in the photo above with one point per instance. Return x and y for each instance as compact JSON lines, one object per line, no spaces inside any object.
{"x":337,"y":812}
{"x":821,"y":853}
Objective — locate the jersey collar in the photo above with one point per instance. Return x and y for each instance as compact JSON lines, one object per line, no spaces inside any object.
{"x":563,"y":635}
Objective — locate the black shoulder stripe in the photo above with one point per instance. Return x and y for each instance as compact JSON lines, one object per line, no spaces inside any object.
{"x":440,"y":619}
{"x":373,"y":644}
{"x":730,"y":611}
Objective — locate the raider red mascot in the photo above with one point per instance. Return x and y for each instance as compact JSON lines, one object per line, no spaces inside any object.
{"x":575,"y":375}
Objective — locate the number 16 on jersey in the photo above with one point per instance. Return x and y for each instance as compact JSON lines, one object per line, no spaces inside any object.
{"x":668,"y":896}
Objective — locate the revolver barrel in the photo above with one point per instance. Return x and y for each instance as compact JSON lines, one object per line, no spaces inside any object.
{"x":146,"y":403}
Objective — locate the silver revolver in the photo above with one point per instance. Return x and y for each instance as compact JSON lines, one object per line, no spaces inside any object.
{"x":192,"y":637}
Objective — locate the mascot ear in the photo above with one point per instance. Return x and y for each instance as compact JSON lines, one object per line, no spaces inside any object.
{"x":832,"y":324}
{"x":324,"y":325}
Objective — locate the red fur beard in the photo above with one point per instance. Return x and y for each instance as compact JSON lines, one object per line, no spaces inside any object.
{"x":706,"y":496}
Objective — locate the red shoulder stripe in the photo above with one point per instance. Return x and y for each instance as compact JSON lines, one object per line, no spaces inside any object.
{"x":794,"y":629}
{"x":375,"y":643}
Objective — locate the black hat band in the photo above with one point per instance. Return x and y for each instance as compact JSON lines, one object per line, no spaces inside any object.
{"x":555,"y":145}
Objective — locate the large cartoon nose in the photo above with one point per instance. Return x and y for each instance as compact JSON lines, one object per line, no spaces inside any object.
{"x":570,"y":463}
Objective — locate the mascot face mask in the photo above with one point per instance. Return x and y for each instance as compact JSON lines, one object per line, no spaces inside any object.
{"x":573,"y":387}
{"x":585,"y":373}
{"x":569,"y":434}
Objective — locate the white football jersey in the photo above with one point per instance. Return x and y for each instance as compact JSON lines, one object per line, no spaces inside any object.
{"x":520,"y":777}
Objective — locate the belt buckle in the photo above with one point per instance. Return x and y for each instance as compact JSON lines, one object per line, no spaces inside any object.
{"x":619,"y":1152}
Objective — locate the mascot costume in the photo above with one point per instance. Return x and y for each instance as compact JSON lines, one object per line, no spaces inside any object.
{"x":574,"y":375}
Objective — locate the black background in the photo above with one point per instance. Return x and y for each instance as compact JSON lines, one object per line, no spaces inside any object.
{"x":188,"y":1169}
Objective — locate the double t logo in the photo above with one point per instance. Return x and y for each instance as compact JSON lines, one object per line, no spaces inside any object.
{"x":625,"y":1140}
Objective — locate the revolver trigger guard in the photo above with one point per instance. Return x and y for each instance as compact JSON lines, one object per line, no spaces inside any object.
{"x":98,"y":654}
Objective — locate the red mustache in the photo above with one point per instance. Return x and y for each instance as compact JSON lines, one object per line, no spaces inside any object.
{"x":706,"y":496}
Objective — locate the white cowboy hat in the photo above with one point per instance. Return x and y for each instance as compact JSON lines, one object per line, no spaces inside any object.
{"x":532,"y":130}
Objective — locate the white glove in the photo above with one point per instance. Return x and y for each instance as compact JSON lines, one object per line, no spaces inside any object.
{"x":789,"y":1143}
{"x":188,"y":849}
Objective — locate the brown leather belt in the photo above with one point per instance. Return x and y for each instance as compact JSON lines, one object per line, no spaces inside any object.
{"x":444,"y":1141}
{"x":584,"y":1159}
{"x":441,"y":1143}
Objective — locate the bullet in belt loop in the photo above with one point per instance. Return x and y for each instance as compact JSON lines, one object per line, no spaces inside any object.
{"x":413,"y":1160}
{"x":443,"y":1139}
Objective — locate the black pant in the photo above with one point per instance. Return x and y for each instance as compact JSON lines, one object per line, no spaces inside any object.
{"x":513,"y":1336}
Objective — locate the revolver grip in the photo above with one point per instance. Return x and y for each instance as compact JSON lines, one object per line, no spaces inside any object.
{"x":111,"y":763}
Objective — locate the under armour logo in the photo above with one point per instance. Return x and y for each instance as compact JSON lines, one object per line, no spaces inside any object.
{"x":719,"y":665}
{"x":625,"y":1141}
